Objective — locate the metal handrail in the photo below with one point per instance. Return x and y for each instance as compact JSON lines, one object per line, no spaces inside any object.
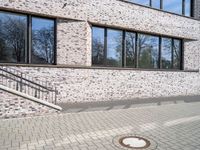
{"x":26,"y":80}
{"x":19,"y":81}
{"x":26,"y":84}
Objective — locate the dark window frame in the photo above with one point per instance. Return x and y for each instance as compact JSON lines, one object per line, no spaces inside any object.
{"x":29,"y":37}
{"x":136,"y":49}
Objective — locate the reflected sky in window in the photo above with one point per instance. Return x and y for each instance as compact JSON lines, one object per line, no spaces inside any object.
{"x":174,"y":6}
{"x":155,"y":3}
{"x":142,"y":2}
{"x":188,"y":8}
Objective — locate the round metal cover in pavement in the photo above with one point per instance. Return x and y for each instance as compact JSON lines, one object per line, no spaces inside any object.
{"x":134,"y":142}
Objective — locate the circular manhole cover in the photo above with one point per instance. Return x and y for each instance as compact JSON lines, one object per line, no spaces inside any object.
{"x":134,"y":142}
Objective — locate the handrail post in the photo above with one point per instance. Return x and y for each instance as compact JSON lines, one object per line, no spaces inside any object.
{"x":21,"y":83}
{"x":55,"y":95}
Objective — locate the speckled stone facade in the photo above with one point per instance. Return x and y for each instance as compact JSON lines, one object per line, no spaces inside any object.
{"x":15,"y":107}
{"x":74,"y":21}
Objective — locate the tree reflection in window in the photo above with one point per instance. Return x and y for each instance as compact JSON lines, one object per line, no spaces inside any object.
{"x":42,"y":41}
{"x":114,"y":48}
{"x":120,"y":48}
{"x":98,"y":46}
{"x":148,"y":51}
{"x":13,"y":33}
{"x":130,"y":49}
{"x":166,"y":54}
{"x":176,"y":54}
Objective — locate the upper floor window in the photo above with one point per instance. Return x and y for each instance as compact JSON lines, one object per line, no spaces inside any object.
{"x":26,"y":39}
{"x":182,"y":7}
{"x":119,"y":48}
{"x":175,"y":6}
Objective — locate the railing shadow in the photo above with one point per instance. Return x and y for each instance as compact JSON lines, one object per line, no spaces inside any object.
{"x":126,"y":104}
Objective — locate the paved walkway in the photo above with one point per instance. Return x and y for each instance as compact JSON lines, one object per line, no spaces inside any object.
{"x":172,"y":127}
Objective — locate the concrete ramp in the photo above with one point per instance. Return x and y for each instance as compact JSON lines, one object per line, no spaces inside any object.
{"x":31,"y":98}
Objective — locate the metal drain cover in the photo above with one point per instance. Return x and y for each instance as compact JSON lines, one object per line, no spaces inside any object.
{"x":134,"y":142}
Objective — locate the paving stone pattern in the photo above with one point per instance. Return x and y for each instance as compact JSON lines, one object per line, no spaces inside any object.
{"x":173,"y":127}
{"x":74,"y":39}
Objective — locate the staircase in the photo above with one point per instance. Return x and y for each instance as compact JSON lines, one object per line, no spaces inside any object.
{"x":19,"y":84}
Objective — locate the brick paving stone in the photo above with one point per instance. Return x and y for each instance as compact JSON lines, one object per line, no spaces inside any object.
{"x":171,"y":126}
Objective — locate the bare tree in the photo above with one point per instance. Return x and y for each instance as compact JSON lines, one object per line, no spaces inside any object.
{"x":13,"y":35}
{"x":43,"y":44}
{"x":98,"y":51}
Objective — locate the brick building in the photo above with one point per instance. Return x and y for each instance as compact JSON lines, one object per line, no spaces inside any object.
{"x":98,"y":50}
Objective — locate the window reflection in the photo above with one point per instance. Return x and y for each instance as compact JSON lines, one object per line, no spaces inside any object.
{"x":114,"y":48}
{"x":155,"y":4}
{"x":130,"y":49}
{"x":166,"y":53}
{"x":177,"y":54}
{"x":98,"y":45}
{"x":42,"y":41}
{"x":187,"y":7}
{"x":142,"y":2}
{"x":148,"y":51}
{"x":13,"y":33}
{"x":174,"y":6}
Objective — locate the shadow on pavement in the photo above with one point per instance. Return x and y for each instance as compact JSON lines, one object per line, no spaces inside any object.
{"x":126,"y":104}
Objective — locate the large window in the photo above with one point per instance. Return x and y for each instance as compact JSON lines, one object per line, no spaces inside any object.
{"x":182,"y":7}
{"x":42,"y":41}
{"x":166,"y":53}
{"x":148,"y":51}
{"x":119,"y":48}
{"x":130,"y":49}
{"x":156,"y":4}
{"x":26,"y":39}
{"x":98,"y":46}
{"x":174,"y":6}
{"x":13,"y":38}
{"x":171,"y":53}
{"x":114,"y":48}
{"x":188,"y":8}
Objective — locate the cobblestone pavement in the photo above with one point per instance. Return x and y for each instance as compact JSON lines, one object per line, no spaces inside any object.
{"x":171,"y":126}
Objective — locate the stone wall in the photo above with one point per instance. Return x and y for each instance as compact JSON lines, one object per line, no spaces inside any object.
{"x":94,"y":85}
{"x":75,"y":18}
{"x":14,"y":107}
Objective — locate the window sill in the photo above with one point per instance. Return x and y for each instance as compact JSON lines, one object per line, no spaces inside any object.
{"x":95,"y":67}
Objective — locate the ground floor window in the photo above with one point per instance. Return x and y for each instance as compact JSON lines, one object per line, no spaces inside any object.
{"x":26,"y":39}
{"x":120,"y":48}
